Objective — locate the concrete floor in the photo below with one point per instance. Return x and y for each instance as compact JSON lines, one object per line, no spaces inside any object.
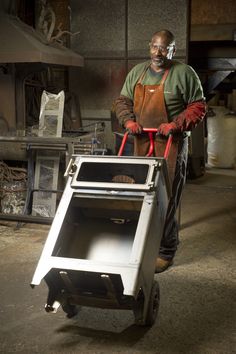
{"x":198,"y":294}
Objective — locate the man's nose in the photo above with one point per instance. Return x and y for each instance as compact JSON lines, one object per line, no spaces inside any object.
{"x":158,"y":50}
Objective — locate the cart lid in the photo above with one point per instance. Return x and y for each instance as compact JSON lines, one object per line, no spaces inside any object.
{"x":116,"y":173}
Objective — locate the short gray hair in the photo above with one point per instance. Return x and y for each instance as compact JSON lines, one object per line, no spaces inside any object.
{"x":165,"y":33}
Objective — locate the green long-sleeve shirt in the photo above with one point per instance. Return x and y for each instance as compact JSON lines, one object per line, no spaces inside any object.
{"x":182,"y":85}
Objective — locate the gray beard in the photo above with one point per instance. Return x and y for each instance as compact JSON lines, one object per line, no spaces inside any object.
{"x":158,"y":63}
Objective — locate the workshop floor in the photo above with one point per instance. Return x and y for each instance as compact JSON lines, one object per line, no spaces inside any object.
{"x":198,"y":294}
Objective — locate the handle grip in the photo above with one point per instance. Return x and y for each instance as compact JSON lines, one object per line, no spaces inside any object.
{"x":150,"y":132}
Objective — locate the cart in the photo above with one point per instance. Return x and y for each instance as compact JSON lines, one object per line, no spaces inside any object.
{"x":104,"y":240}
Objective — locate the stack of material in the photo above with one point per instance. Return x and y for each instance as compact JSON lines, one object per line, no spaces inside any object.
{"x":12,"y":189}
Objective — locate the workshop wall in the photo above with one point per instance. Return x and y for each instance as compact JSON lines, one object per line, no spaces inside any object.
{"x":213,"y":12}
{"x":114,"y":36}
{"x":213,"y":20}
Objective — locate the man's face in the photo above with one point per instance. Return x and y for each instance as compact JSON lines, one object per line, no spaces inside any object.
{"x":160,"y":51}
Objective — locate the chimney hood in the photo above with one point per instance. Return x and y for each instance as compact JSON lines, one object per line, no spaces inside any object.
{"x":20,"y":43}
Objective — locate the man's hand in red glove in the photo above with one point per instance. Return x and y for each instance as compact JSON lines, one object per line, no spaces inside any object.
{"x":133,"y":127}
{"x":168,"y":128}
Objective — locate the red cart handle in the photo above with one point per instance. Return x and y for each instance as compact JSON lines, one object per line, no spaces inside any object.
{"x":150,"y":132}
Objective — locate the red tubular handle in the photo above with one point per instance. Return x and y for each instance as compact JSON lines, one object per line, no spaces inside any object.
{"x":168,"y":146}
{"x":150,"y":132}
{"x":151,"y":147}
{"x":125,"y":137}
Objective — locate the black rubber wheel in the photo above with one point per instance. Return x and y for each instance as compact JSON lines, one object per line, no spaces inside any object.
{"x":138,"y":308}
{"x":153,"y":305}
{"x":70,"y":310}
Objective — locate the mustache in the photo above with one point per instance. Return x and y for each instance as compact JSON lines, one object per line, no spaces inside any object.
{"x":157,"y":58}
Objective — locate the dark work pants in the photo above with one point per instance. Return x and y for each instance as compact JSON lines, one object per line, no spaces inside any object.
{"x":170,"y":238}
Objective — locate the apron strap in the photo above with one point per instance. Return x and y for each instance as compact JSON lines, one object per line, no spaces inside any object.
{"x":143,"y":74}
{"x":164,"y":77}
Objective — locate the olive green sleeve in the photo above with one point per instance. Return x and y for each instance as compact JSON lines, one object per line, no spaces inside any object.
{"x":193,"y":89}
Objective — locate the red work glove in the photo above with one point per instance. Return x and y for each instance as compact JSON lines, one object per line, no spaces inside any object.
{"x":133,"y":127}
{"x":168,"y":128}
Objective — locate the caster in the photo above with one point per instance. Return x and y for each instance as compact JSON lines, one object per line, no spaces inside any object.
{"x":52,"y":307}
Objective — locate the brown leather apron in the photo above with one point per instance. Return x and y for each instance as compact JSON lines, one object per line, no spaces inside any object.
{"x":150,"y":112}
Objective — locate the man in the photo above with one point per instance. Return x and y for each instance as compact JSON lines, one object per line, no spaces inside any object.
{"x":165,"y":94}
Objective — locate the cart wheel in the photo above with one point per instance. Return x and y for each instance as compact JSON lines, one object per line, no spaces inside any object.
{"x":153,"y":305}
{"x":70,"y":310}
{"x":138,"y":307}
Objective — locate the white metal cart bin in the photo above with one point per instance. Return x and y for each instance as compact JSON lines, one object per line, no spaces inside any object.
{"x":105,"y":236}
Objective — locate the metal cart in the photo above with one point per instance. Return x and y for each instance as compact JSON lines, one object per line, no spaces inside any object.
{"x":104,"y":239}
